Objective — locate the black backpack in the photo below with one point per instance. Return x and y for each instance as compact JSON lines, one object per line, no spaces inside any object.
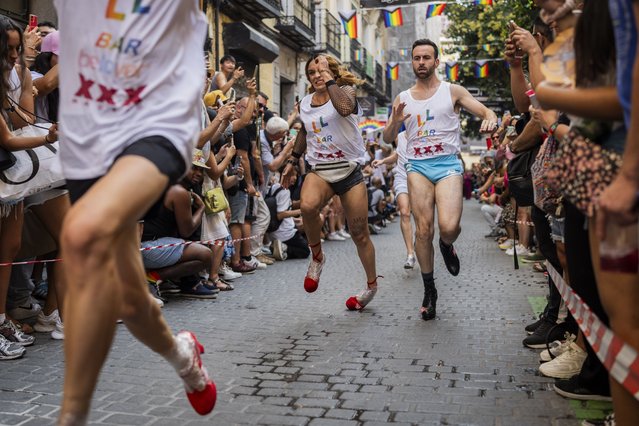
{"x":520,"y":177}
{"x":271,"y":203}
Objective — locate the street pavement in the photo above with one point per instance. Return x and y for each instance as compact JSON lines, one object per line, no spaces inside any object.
{"x":280,"y":356}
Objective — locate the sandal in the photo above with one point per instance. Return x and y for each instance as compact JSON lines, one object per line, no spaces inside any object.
{"x":539,"y":267}
{"x":221,"y":285}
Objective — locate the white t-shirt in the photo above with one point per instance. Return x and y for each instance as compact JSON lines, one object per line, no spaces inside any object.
{"x":287,"y":230}
{"x":128,"y":70}
{"x":432,"y":130}
{"x":329,"y":136}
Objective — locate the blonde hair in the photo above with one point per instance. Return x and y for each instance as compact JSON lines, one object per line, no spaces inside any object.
{"x":343,"y":77}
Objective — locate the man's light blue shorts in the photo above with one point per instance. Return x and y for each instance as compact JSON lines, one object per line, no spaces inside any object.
{"x":437,"y":168}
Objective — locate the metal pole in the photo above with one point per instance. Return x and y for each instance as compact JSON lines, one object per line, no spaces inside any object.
{"x":217,"y":33}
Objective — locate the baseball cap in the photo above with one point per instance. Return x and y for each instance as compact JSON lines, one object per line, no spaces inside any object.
{"x":211,"y":98}
{"x":51,"y":43}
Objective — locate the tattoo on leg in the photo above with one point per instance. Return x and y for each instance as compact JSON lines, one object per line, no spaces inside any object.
{"x":358,"y":225}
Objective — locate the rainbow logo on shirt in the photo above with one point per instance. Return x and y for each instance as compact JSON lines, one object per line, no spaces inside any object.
{"x":422,"y":120}
{"x":318,"y":129}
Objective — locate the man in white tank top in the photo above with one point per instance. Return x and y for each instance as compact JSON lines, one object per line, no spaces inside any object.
{"x":429,"y":110}
{"x":131,"y":74}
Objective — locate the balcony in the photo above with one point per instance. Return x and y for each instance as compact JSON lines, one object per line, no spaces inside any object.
{"x":357,"y":63}
{"x":329,"y":35}
{"x":369,"y":66}
{"x":262,"y":8}
{"x":382,"y":85}
{"x":298,"y":23}
{"x":389,"y":89}
{"x":379,"y":77}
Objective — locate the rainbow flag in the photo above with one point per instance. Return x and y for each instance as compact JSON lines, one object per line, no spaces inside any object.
{"x":452,"y":71}
{"x":481,"y":69}
{"x":404,"y":52}
{"x":393,"y":17}
{"x":357,"y":55}
{"x":483,"y":2}
{"x":435,"y":10}
{"x":486,"y":47}
{"x":392,"y":70}
{"x":349,"y":20}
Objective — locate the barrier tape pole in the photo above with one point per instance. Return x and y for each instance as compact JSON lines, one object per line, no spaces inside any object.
{"x":183,"y":243}
{"x":621,"y":360}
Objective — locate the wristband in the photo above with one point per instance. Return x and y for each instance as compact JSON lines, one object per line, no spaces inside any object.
{"x":330,"y":83}
{"x":296,"y":155}
{"x":553,"y":128}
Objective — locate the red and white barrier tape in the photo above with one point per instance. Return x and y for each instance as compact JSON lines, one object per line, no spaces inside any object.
{"x":183,"y":243}
{"x":621,"y":360}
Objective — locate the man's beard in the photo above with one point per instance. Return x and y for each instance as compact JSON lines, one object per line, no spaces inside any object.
{"x":428,"y":72}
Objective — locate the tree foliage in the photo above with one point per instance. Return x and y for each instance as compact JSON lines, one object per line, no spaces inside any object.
{"x":471,"y":27}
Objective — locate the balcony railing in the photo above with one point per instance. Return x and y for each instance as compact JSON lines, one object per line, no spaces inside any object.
{"x":298,"y":23}
{"x":262,"y":8}
{"x":329,"y":33}
{"x":369,"y":66}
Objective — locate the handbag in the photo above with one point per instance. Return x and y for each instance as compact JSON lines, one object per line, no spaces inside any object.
{"x":547,"y":198}
{"x":520,"y":178}
{"x":215,"y":201}
{"x":582,"y":169}
{"x":7,"y":159}
{"x":35,"y":170}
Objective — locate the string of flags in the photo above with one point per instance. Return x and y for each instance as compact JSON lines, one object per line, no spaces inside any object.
{"x":392,"y":70}
{"x":480,"y":68}
{"x":393,"y":17}
{"x":349,"y":21}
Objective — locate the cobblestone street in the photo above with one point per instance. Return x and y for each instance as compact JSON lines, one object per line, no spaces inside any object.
{"x":281,"y":356}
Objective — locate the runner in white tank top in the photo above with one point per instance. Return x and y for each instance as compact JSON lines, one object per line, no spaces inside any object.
{"x":429,"y":112}
{"x":131,"y":75}
{"x":335,"y":151}
{"x":400,"y":187}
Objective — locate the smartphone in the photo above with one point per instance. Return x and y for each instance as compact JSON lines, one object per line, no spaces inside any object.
{"x":489,"y":143}
{"x":255,"y":71}
{"x":33,"y":21}
{"x":512,"y":26}
{"x":231,"y":95}
{"x":533,"y":99}
{"x":297,"y":99}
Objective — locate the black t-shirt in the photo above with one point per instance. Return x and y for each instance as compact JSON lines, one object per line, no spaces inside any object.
{"x":267,"y":115}
{"x":242,"y":139}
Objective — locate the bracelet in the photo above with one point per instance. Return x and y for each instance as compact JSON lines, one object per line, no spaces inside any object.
{"x":330,"y":83}
{"x":296,"y":155}
{"x":553,"y":128}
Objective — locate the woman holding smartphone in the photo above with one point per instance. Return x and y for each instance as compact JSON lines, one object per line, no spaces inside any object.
{"x":335,"y":152}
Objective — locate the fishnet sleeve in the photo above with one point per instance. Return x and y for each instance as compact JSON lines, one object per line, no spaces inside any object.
{"x":343,"y":99}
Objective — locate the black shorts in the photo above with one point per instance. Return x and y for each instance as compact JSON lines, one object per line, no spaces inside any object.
{"x":343,"y":186}
{"x":157,"y":149}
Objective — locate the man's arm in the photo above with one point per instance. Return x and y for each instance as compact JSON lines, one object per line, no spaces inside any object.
{"x":47,"y":83}
{"x":224,"y":84}
{"x":463,"y":98}
{"x":187,"y":220}
{"x":278,"y":161}
{"x":518,"y":83}
{"x":257,"y":161}
{"x":528,"y":139}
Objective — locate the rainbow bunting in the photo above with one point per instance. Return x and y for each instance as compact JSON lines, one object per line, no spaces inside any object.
{"x":452,"y":71}
{"x":393,"y":17}
{"x":403,"y":52}
{"x":435,"y":10}
{"x":483,"y":2}
{"x":392,"y":70}
{"x":357,"y":55}
{"x":486,"y":47}
{"x":349,"y":20}
{"x":481,"y":69}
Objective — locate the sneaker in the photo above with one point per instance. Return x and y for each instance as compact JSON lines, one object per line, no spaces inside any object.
{"x":242,"y":268}
{"x":377,"y":228}
{"x":227,"y":273}
{"x":506,"y":244}
{"x":154,"y":289}
{"x":572,"y":389}
{"x":311,"y":281}
{"x":169,"y":287}
{"x":58,"y":332}
{"x":450,"y":257}
{"x":546,"y":332}
{"x":373,"y":230}
{"x":279,"y":251}
{"x":521,"y":251}
{"x":26,"y":312}
{"x":197,"y":292}
{"x":493,"y":234}
{"x":342,"y":233}
{"x":556,"y":348}
{"x":267,"y":251}
{"x":565,"y":365}
{"x":11,"y":332}
{"x":10,"y":350}
{"x":255,"y":263}
{"x":532,"y":258}
{"x":200,"y":389}
{"x":530,"y":328}
{"x":265,"y":259}
{"x":429,"y":304}
{"x":410,"y":262}
{"x":46,"y":323}
{"x":609,"y":420}
{"x":334,"y":236}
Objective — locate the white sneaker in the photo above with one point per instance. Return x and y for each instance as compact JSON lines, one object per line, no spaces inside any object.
{"x":521,"y":251}
{"x":58,"y":333}
{"x":410,"y":262}
{"x":377,"y":228}
{"x":46,"y":323}
{"x":227,"y":274}
{"x":10,"y":350}
{"x":254,"y":263}
{"x":556,"y":348}
{"x":25,"y":312}
{"x":565,"y":365}
{"x":279,"y":250}
{"x":342,"y":233}
{"x":334,"y":236}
